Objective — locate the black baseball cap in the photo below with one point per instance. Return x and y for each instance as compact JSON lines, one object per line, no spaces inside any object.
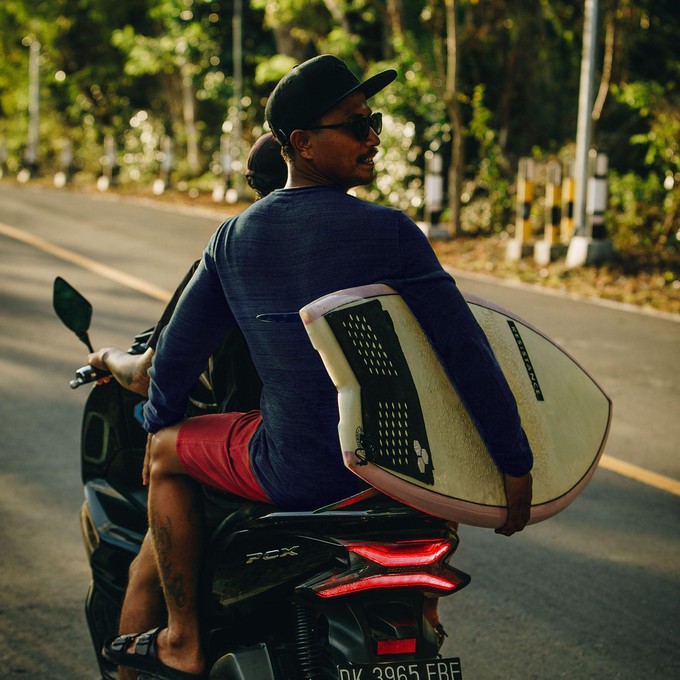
{"x":312,"y":88}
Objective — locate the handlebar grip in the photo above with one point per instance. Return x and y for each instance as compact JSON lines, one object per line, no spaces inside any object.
{"x":87,"y":374}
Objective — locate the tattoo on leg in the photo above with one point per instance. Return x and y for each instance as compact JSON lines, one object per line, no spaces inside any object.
{"x":173,"y":584}
{"x":176,"y":590}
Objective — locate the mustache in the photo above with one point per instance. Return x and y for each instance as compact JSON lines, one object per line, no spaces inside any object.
{"x":368,"y":156}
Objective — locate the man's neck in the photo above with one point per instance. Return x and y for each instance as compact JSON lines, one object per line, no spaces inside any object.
{"x":298,"y":179}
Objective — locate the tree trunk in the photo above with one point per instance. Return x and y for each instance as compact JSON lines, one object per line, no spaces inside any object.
{"x":394,"y":26}
{"x":449,"y":96}
{"x":608,"y":60}
{"x":179,"y":96}
{"x":189,"y":114}
{"x":455,"y":178}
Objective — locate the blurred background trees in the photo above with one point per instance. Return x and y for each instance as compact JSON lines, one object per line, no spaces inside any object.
{"x":482,"y":82}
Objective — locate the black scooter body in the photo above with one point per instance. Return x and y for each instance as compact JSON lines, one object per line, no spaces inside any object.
{"x":265,"y":613}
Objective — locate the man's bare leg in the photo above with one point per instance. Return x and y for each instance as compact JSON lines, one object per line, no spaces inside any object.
{"x":143,"y":606}
{"x":176,"y":524}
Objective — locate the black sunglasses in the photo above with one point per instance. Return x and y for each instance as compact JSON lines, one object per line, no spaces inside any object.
{"x":361,"y":127}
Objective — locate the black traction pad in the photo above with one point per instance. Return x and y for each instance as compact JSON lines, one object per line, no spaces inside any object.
{"x":393,"y":434}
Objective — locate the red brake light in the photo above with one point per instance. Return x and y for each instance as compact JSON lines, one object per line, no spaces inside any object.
{"x":419,"y":563}
{"x":406,"y":554}
{"x":406,"y":646}
{"x":408,"y":580}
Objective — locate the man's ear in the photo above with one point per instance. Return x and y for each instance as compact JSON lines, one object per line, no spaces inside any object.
{"x":302,"y":142}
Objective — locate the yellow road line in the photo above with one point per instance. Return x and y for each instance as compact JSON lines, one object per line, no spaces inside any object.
{"x":639,"y":474}
{"x":629,"y":470}
{"x":86,"y":263}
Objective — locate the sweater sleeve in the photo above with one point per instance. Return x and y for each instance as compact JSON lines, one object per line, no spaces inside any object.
{"x":463,"y":349}
{"x":198,"y":324}
{"x":170,"y":307}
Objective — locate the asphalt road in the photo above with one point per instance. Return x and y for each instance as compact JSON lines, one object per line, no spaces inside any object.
{"x":591,"y":593}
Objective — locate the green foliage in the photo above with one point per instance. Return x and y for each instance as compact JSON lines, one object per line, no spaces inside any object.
{"x":646,"y":204}
{"x":643,"y":219}
{"x":487,"y":200}
{"x":269,"y":71}
{"x":399,"y":175}
{"x":659,"y":110}
{"x":126,"y":67}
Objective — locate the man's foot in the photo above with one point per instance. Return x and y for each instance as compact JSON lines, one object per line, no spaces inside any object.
{"x":140,"y":652}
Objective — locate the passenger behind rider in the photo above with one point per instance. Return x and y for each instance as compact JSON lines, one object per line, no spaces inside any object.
{"x":299,"y":243}
{"x":235,"y":384}
{"x":265,"y":171}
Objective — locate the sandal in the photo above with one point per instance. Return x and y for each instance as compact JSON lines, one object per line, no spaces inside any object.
{"x":144,"y":658}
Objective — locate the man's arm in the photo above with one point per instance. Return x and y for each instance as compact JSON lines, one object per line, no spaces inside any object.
{"x":198,"y":324}
{"x":130,"y":370}
{"x":470,"y":363}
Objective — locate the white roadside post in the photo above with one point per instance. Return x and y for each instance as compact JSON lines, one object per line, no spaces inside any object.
{"x":434,"y":194}
{"x":63,"y":175}
{"x":166,"y":159}
{"x":30,"y":168}
{"x":108,"y":161}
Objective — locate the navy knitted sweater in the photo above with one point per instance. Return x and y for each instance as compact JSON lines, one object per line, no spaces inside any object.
{"x":281,"y":253}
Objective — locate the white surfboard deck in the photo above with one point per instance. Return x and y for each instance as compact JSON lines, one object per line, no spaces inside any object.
{"x":565,"y":414}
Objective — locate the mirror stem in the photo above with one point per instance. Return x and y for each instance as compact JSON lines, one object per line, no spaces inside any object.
{"x":84,"y":337}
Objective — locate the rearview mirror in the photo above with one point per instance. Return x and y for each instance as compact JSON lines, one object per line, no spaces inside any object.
{"x":73,"y":309}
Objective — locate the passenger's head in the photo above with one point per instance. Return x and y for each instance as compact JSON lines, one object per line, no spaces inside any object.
{"x":320,"y":115}
{"x":266,"y":169}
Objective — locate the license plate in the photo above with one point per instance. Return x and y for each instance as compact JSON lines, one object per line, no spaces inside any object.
{"x":422,"y":669}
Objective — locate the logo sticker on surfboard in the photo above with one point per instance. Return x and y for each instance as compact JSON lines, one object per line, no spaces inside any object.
{"x":527,"y":360}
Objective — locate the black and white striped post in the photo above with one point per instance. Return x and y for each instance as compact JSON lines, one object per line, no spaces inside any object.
{"x":598,"y":197}
{"x":592,"y":245}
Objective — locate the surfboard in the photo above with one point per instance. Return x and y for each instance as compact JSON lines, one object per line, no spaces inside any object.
{"x":404,"y":430}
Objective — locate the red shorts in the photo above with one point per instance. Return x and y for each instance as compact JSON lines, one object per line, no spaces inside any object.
{"x":214,"y":450}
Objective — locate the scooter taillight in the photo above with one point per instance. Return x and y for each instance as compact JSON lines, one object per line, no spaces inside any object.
{"x":405,"y":554}
{"x":404,"y":564}
{"x":425,"y":581}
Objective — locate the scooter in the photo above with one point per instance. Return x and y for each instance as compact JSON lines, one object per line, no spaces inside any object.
{"x":338,"y":593}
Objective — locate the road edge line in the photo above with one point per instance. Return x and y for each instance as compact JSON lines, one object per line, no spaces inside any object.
{"x":639,"y":474}
{"x":86,"y":263}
